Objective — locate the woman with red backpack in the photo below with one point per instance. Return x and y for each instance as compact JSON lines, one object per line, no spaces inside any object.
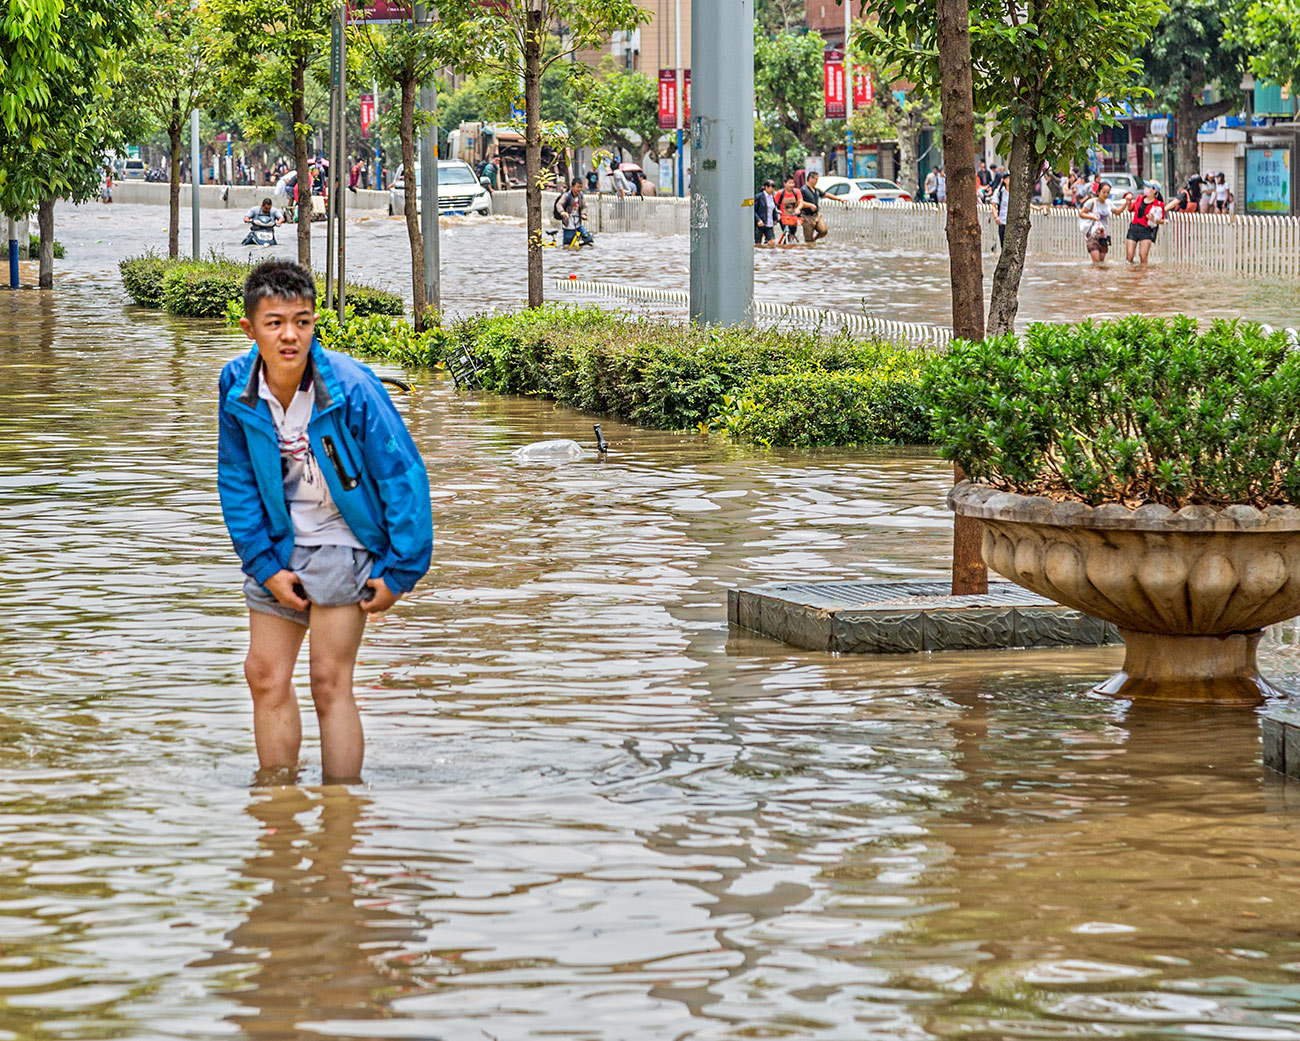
{"x":789,"y":202}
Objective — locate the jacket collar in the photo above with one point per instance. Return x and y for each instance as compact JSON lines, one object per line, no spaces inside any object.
{"x":319,"y":372}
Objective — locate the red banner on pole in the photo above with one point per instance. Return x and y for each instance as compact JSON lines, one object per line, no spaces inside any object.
{"x":836,"y":107}
{"x":864,"y":91}
{"x":668,"y":98}
{"x":367,"y":113}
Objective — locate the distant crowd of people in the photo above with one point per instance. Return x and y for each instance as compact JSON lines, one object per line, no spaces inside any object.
{"x":779,"y":216}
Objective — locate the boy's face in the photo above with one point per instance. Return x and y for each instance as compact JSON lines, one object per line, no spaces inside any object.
{"x":282,"y":329}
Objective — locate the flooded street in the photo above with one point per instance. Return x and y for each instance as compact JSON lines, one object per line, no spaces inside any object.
{"x":483,"y":267}
{"x":589,"y":812}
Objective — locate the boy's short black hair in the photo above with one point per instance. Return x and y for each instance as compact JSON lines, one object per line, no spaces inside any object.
{"x":278,"y":279}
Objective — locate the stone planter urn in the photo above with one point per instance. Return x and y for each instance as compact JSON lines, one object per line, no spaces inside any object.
{"x":1190,"y":590}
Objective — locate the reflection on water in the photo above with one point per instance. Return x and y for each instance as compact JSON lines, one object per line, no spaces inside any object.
{"x":324,"y":942}
{"x":591,"y":812}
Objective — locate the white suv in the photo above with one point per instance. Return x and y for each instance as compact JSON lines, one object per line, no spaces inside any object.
{"x":459,"y":190}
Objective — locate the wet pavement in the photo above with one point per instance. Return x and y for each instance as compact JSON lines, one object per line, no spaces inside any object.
{"x":589,"y":811}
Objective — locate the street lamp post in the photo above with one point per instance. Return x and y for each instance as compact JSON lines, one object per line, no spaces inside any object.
{"x":196,"y":176}
{"x":849,"y":171}
{"x":680,"y":105}
{"x":722,"y":162}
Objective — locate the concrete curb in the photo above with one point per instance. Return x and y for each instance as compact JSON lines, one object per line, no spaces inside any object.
{"x":906,"y":617}
{"x":224,"y":197}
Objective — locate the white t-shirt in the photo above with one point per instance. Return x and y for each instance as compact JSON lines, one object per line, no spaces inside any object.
{"x":316,"y":518}
{"x":1000,"y":199}
{"x":1098,"y":209}
{"x":1221,"y":192}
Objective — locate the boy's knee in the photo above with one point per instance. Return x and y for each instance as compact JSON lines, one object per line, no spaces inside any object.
{"x":330,"y":681}
{"x":266,"y":678}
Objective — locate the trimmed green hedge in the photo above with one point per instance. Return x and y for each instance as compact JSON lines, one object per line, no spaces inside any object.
{"x":1142,"y":410}
{"x":678,"y":377}
{"x":204,"y":288}
{"x":853,"y":407}
{"x":143,"y":277}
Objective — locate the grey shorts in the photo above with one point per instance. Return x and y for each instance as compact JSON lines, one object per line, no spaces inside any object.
{"x":331,"y":576}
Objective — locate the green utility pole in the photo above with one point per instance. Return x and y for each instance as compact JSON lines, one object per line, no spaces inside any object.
{"x":722,"y":162}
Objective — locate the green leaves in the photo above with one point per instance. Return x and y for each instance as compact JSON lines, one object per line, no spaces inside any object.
{"x":1272,"y":30}
{"x":1042,"y":73}
{"x":1140,"y":410}
{"x":58,"y":65}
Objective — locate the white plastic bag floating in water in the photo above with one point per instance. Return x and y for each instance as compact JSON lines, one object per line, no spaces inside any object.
{"x":561,"y":450}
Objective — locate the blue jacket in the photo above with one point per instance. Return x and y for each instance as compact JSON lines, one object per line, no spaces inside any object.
{"x":371,"y":464}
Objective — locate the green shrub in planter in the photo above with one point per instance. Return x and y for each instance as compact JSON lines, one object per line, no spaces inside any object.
{"x":143,"y":277}
{"x":884,"y":405}
{"x":365,"y":300}
{"x":1142,"y":410}
{"x":202,"y":290}
{"x":382,"y":336}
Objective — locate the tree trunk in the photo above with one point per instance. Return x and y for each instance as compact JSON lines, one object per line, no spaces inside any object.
{"x":45,"y":224}
{"x":174,"y":179}
{"x":533,"y":153}
{"x":298,"y":107}
{"x":412,"y":194}
{"x":1005,"y":299}
{"x":965,"y":253}
{"x":909,"y":128}
{"x":1188,"y":117}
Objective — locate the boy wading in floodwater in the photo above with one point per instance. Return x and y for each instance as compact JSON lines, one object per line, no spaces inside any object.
{"x":327,"y":502}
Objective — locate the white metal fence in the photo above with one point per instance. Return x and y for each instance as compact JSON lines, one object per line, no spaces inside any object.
{"x":1231,"y":244}
{"x":916,"y":333}
{"x":668,"y":215}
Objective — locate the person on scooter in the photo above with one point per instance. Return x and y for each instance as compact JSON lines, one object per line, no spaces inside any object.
{"x":571,"y":208}
{"x":262,"y":216}
{"x":267,"y":209}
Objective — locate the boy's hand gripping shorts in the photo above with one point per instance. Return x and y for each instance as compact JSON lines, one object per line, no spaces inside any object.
{"x":332,"y":576}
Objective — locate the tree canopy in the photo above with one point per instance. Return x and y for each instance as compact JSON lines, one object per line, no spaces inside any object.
{"x":1272,"y":31}
{"x":1191,"y":48}
{"x":57,"y":67}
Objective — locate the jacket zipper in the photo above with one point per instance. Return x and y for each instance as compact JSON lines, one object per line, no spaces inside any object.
{"x":348,"y":481}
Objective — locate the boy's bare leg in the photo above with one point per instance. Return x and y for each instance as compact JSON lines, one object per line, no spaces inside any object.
{"x":335,"y":639}
{"x":273,"y":644}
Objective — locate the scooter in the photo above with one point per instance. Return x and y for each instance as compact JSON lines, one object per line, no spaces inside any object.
{"x":262,"y":232}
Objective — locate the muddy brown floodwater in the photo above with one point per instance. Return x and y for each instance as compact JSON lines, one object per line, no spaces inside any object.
{"x":590,"y":812}
{"x":483,"y":267}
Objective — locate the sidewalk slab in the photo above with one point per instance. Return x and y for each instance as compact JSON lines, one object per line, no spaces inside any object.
{"x":906,"y":617}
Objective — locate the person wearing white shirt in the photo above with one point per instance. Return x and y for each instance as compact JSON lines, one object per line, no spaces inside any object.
{"x":619,"y":178}
{"x":1001,"y":195}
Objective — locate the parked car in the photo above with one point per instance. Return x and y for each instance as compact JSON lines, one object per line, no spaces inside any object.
{"x":1123,"y":182}
{"x":459,"y":191}
{"x":861,"y":189}
{"x":134,"y":170}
